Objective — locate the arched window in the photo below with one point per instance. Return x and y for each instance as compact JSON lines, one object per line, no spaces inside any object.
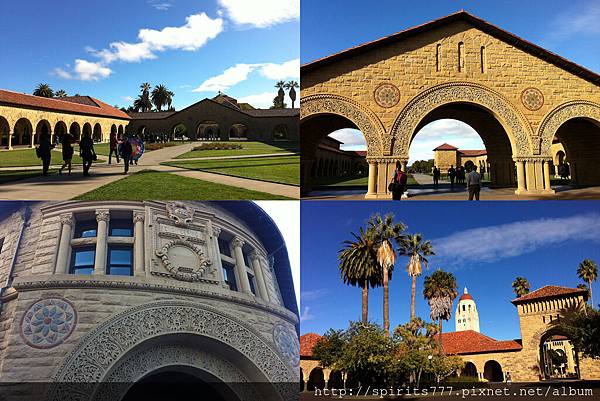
{"x":483,"y":60}
{"x":461,"y":56}
{"x":438,"y":56}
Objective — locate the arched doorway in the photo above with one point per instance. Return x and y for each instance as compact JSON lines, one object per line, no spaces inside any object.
{"x":492,"y":371}
{"x":238,"y":131}
{"x":75,"y":131}
{"x":208,"y":131}
{"x":43,"y":128}
{"x":580,"y":137}
{"x":87,"y":130}
{"x":558,"y":357}
{"x":470,"y":370}
{"x":97,"y":133}
{"x":280,"y":133}
{"x":60,"y":129}
{"x":4,"y":131}
{"x":316,"y":380}
{"x":180,"y":131}
{"x":22,"y":132}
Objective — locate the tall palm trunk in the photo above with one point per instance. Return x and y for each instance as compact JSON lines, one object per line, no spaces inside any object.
{"x":440,"y":338}
{"x":365,"y":303}
{"x":412,"y":297}
{"x":591,"y":294}
{"x":386,"y":299}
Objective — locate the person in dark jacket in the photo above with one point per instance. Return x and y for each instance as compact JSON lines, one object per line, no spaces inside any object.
{"x":87,"y":153}
{"x":67,"y":152}
{"x":45,"y":152}
{"x":398,"y":182}
{"x":114,"y":143}
{"x":436,"y":177}
{"x":126,"y":152}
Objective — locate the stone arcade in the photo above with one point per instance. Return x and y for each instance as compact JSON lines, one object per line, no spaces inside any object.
{"x":516,"y":95}
{"x":121,"y":291}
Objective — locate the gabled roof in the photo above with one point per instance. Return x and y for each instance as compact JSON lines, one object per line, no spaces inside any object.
{"x":473,"y":153}
{"x":483,"y":25}
{"x":446,"y":146}
{"x":73,"y":104}
{"x":472,"y":342}
{"x":307,"y":342}
{"x":152,"y":115}
{"x":550,"y":291}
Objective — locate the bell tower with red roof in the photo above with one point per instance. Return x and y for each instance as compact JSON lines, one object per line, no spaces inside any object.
{"x":466,"y":316}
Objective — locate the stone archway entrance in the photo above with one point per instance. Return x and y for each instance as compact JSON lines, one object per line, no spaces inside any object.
{"x":558,"y":357}
{"x":492,"y":371}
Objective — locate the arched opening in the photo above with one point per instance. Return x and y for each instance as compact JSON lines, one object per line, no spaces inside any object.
{"x":316,"y":380}
{"x":22,"y":132}
{"x":180,"y":131}
{"x":87,"y":130}
{"x":60,"y":129}
{"x":470,"y":370}
{"x":208,"y":131}
{"x":4,"y":131}
{"x":579,"y":139}
{"x":558,"y":357}
{"x":238,"y":131}
{"x":459,"y":135}
{"x":75,"y":131}
{"x":97,"y":135}
{"x":43,"y":128}
{"x":492,"y":371}
{"x":335,"y":380}
{"x":280,"y":133}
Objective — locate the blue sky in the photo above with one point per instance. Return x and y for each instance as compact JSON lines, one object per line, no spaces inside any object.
{"x":195,"y":47}
{"x":568,"y":28}
{"x":485,"y":245}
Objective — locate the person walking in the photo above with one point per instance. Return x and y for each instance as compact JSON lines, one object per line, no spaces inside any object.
{"x":474,"y":184}
{"x":126,"y":151}
{"x":114,"y":144}
{"x":87,"y":153}
{"x":452,"y":175}
{"x":436,"y":178}
{"x":67,"y":152}
{"x":44,"y":152}
{"x":398,"y":184}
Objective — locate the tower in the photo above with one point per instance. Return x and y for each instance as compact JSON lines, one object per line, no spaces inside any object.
{"x":466,"y":315}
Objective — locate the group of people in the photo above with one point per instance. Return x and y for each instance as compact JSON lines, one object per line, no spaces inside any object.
{"x":118,"y":147}
{"x":460,"y":174}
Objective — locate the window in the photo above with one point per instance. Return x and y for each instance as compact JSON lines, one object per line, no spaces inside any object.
{"x":86,"y":229}
{"x":438,"y":56}
{"x":251,"y":281}
{"x":461,"y":56}
{"x":224,"y":247}
{"x":121,"y":228}
{"x":229,"y":275}
{"x":463,"y":308}
{"x":247,"y":258}
{"x":82,"y":261}
{"x":483,"y":59}
{"x":120,"y":261}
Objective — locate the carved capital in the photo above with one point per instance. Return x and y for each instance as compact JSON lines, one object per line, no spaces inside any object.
{"x":216,"y":231}
{"x":66,"y":219}
{"x":254,"y":256}
{"x":139,"y":216}
{"x":102,"y":215}
{"x":238,"y":242}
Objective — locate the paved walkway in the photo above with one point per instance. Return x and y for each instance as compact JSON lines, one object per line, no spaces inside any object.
{"x":61,"y":187}
{"x":235,"y":157}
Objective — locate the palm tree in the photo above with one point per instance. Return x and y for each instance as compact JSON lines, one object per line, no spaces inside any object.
{"x":43,"y":90}
{"x":291,"y":86}
{"x":281,"y":92}
{"x":440,"y":291}
{"x":358,"y":266}
{"x":161,"y":96}
{"x":520,"y":286}
{"x":417,"y":250}
{"x":170,"y":96}
{"x":384,"y":230}
{"x":60,"y":93}
{"x":142,"y":104}
{"x":588,"y":272}
{"x":145,"y":87}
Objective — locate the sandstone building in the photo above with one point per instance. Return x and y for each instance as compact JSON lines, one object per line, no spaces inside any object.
{"x":515,"y":94}
{"x":123,"y":291}
{"x":331,"y":161}
{"x":447,"y":156}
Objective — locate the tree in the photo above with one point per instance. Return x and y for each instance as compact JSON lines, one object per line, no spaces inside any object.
{"x":416,"y":341}
{"x":440,"y":291}
{"x":358,"y":266}
{"x":588,"y":272}
{"x":417,"y":251}
{"x":142,"y":104}
{"x":60,"y":93}
{"x":280,"y":94}
{"x":329,"y":348}
{"x":161,"y":96}
{"x":278,"y":103}
{"x":291,"y":87}
{"x":582,"y":328}
{"x":145,"y":97}
{"x":384,"y":230}
{"x":520,"y":286}
{"x":43,"y":90}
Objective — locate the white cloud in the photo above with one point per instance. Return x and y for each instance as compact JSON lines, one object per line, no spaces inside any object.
{"x":450,"y":131}
{"x":128,"y":98}
{"x":577,"y":21}
{"x":489,"y":244}
{"x":87,"y":71}
{"x":160,"y":5}
{"x":312,"y":295}
{"x":62,"y":73}
{"x":261,"y":100}
{"x":261,"y":13}
{"x":126,"y":52}
{"x":351,"y":138}
{"x":306,"y":316}
{"x":239,"y":73}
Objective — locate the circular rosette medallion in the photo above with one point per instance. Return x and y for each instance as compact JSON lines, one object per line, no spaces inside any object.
{"x":48,"y":322}
{"x":532,"y":99}
{"x":387,"y":95}
{"x":287,"y":343}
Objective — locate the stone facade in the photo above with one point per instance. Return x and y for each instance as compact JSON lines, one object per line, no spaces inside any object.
{"x":515,"y":95}
{"x":203,"y":290}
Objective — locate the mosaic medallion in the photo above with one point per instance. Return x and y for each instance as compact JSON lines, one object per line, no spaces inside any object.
{"x":48,"y":322}
{"x":387,"y":95}
{"x":532,"y":99}
{"x":287,"y":343}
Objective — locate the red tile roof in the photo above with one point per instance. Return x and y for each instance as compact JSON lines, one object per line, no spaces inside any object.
{"x":472,"y":342}
{"x":307,"y":342}
{"x":473,"y":153}
{"x":73,"y":104}
{"x":462,"y":15}
{"x":446,"y":146}
{"x":465,"y":296}
{"x":550,"y":291}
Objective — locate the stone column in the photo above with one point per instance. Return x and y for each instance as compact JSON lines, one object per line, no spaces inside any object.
{"x":521,"y":187}
{"x":530,"y":175}
{"x":262,"y":260}
{"x":404,"y":164}
{"x":102,"y":217}
{"x":539,"y":175}
{"x":372,"y":188}
{"x":260,"y":278}
{"x":138,"y":242}
{"x":218,"y":262}
{"x":547,"y":185}
{"x":240,"y":265}
{"x":32,"y":139}
{"x":64,"y":247}
{"x":9,"y":145}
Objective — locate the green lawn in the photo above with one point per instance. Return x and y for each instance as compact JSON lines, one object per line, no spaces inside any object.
{"x":164,"y":186}
{"x":104,"y":148}
{"x":27,"y":157}
{"x":280,"y":169}
{"x":8,"y":176}
{"x":248,"y":148}
{"x":350,"y":181}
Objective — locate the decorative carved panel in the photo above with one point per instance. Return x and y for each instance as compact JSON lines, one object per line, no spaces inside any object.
{"x":48,"y":322}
